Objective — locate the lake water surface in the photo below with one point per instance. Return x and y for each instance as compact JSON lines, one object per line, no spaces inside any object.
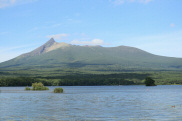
{"x":110,"y":103}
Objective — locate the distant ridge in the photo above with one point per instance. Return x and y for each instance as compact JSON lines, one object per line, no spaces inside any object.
{"x":58,"y":55}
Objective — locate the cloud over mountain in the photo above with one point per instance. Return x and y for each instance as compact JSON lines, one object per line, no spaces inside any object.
{"x":92,"y":42}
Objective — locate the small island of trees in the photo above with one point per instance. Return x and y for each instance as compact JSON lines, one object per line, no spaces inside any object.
{"x":37,"y":86}
{"x":58,"y":90}
{"x":40,"y":86}
{"x":149,"y":81}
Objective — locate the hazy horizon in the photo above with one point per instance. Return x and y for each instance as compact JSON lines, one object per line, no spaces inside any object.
{"x":151,"y":25}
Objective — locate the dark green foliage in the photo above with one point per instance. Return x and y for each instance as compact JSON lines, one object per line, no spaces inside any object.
{"x":74,"y":77}
{"x":17,"y":81}
{"x":55,"y":83}
{"x":78,"y":80}
{"x":27,"y":88}
{"x":58,"y":90}
{"x":149,"y":81}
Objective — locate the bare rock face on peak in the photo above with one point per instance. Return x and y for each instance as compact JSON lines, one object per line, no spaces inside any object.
{"x":48,"y":46}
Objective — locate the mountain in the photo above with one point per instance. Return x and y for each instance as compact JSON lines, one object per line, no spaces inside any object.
{"x":48,"y":46}
{"x":58,"y":55}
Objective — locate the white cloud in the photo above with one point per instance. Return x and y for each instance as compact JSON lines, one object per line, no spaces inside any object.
{"x":119,"y":2}
{"x":172,"y":25}
{"x":92,"y":42}
{"x":97,"y":42}
{"x":57,"y":36}
{"x":8,"y":3}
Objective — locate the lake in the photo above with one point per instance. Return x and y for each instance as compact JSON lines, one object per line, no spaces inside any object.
{"x":110,"y":103}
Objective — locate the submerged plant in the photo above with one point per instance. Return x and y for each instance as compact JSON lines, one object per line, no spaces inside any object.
{"x":58,"y":90}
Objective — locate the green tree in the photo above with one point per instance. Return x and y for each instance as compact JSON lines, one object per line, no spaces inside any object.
{"x":55,"y":83}
{"x":149,"y":81}
{"x":58,"y":90}
{"x":39,"y":86}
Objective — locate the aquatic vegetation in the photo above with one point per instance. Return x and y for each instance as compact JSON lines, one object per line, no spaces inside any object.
{"x":37,"y":86}
{"x":58,"y":90}
{"x":27,"y":88}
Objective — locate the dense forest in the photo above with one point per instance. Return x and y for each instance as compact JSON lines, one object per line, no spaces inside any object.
{"x":75,"y":78}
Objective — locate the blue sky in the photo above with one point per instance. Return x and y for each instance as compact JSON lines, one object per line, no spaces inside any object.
{"x":152,"y":25}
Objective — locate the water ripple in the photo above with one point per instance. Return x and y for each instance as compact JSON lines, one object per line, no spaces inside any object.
{"x":90,"y":103}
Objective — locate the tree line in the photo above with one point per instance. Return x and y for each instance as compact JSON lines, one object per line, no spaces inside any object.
{"x":75,"y":80}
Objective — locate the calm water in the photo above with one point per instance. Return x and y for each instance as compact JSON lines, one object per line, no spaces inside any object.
{"x":92,"y":103}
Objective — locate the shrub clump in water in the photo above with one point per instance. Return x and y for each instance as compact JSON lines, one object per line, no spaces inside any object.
{"x":37,"y":86}
{"x":58,"y":90}
{"x":27,"y":88}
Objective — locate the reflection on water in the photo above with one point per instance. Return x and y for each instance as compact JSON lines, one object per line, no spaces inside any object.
{"x":92,"y":103}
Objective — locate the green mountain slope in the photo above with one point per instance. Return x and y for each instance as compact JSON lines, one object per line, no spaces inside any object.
{"x":54,"y":55}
